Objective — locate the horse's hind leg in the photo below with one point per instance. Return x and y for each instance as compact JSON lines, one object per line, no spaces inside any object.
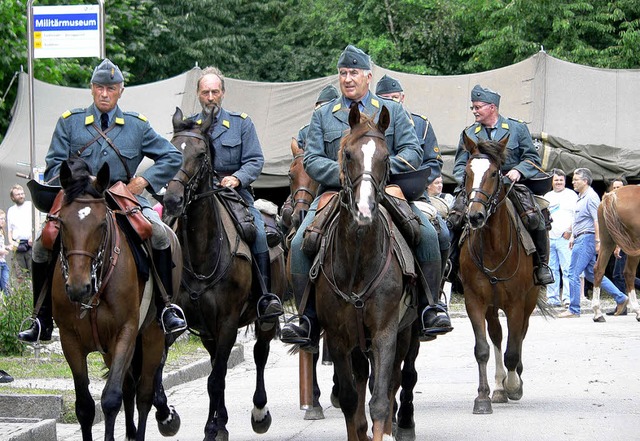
{"x":128,"y":398}
{"x":517,"y":327}
{"x":260,"y":415}
{"x":630,"y":269}
{"x":315,"y":413}
{"x":495,"y":333}
{"x":409,"y":378}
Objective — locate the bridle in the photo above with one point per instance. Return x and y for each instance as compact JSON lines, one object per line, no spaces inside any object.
{"x":489,"y":201}
{"x":350,"y":184}
{"x":304,"y":201}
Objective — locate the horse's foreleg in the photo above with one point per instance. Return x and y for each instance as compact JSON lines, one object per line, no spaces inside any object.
{"x":215,"y":427}
{"x":408,"y":382}
{"x":166,"y":416}
{"x":476,"y":313}
{"x":347,"y":394}
{"x":128,"y":394}
{"x":153,"y":354}
{"x":260,"y":415}
{"x":495,"y":334}
{"x":360,"y":365}
{"x":386,"y":366}
{"x":85,"y":405}
{"x":316,"y":413}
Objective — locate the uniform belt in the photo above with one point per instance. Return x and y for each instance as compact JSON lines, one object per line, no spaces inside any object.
{"x":583,"y":232}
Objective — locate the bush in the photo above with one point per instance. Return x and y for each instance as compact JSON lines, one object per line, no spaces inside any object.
{"x":14,"y":308}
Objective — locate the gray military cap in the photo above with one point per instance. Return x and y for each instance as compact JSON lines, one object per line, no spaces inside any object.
{"x":485,"y":95}
{"x":388,"y":84}
{"x":328,"y":93}
{"x":354,"y":58}
{"x":107,"y":73}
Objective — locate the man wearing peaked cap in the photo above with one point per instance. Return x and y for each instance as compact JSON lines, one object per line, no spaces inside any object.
{"x":238,"y":160}
{"x":103,"y":133}
{"x":389,"y":87}
{"x":328,"y":124}
{"x":522,"y":162}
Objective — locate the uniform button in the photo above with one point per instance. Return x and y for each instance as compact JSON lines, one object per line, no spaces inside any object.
{"x":104,"y":153}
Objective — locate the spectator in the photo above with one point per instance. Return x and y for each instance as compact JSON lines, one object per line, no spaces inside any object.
{"x":435,"y":189}
{"x":562,"y":203}
{"x":4,"y":251}
{"x":585,"y":244}
{"x":19,"y":225}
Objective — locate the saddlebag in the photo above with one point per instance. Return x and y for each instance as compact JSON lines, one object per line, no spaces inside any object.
{"x":327,"y":209}
{"x":403,"y":217}
{"x":51,"y":227}
{"x":526,"y":206}
{"x":239,"y":211}
{"x":120,"y":198}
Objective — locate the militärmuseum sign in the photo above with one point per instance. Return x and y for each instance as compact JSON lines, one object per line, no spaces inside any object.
{"x":66,"y":31}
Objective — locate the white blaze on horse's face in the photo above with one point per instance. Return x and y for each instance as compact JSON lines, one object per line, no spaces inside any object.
{"x":479,"y":167}
{"x":84,"y":212}
{"x":367,"y":192}
{"x":183,"y":146}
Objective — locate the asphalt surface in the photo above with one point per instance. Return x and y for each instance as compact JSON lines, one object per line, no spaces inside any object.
{"x":581,"y":382}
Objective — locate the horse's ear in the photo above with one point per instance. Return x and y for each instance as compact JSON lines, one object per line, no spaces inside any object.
{"x":504,"y":141}
{"x":177,"y":118}
{"x":469,"y":144}
{"x":103,"y":178}
{"x":384,"y":120}
{"x":354,"y":116}
{"x":206,"y":124}
{"x":65,"y":174}
{"x":295,"y":148}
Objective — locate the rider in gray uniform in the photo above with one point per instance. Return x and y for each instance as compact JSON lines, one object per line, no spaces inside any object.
{"x":77,"y":133}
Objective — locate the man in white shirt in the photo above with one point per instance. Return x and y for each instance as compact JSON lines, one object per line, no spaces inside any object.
{"x":19,"y":224}
{"x":562,"y":203}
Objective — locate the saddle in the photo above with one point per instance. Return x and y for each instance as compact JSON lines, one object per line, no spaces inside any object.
{"x":269,"y":212}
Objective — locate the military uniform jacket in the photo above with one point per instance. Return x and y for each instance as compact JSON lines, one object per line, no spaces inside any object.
{"x":520,"y":147}
{"x":331,"y":121}
{"x":302,"y":136}
{"x":236,"y":148}
{"x":131,"y":133}
{"x":427,"y":138}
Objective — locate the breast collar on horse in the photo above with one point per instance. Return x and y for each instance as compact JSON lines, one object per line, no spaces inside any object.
{"x":109,"y":250}
{"x":491,"y":203}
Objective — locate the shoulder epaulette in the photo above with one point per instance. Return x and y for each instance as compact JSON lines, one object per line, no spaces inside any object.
{"x":303,"y":127}
{"x":505,"y":126}
{"x":140,"y":116}
{"x":68,"y":113}
{"x":239,"y":114}
{"x":375,"y":103}
{"x":420,"y":116}
{"x":336,"y":108}
{"x":516,"y":119}
{"x":477,"y":129}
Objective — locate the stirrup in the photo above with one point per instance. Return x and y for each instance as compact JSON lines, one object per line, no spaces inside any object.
{"x":34,"y":321}
{"x":304,"y":343}
{"x":435,"y":330}
{"x":269,"y":317}
{"x":175,"y":308}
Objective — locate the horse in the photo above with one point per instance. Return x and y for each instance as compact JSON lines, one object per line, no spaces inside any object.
{"x":496,"y":273}
{"x":100,"y":304}
{"x":360,"y":284}
{"x":302,"y":187}
{"x":216,"y":287}
{"x":618,"y":225}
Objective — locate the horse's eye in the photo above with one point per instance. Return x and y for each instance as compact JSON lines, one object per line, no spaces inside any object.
{"x":347,"y":156}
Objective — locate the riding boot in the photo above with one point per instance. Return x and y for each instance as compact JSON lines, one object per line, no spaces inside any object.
{"x":166,"y":312}
{"x":269,"y":305}
{"x":306,"y":334}
{"x":43,"y":322}
{"x":434,"y":316}
{"x":542,"y":274}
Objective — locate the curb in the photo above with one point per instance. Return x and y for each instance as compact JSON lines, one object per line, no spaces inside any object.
{"x":39,"y":429}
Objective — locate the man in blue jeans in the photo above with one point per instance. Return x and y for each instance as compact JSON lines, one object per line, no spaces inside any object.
{"x":585,"y":244}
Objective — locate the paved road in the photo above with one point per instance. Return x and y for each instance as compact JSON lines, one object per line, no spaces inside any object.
{"x":581,"y":382}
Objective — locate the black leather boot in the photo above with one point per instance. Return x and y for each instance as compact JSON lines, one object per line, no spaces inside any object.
{"x":434,"y":315}
{"x":269,"y":305}
{"x":542,"y":274}
{"x":42,"y":326}
{"x":306,"y":334}
{"x":166,"y":313}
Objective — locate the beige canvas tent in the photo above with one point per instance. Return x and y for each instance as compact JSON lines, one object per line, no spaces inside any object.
{"x":588,"y":113}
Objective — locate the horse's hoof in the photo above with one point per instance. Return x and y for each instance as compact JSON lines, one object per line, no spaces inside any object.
{"x":482,"y":406}
{"x":223,"y":435}
{"x":316,"y":413}
{"x":261,"y":426}
{"x":599,"y":319}
{"x":499,"y":396}
{"x":172,"y":424}
{"x":408,"y":434}
{"x":335,"y":401}
{"x":516,"y":394}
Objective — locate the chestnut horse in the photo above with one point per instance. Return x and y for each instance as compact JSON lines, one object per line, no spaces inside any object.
{"x":98,"y":304}
{"x":360,"y":284}
{"x":496,"y":273}
{"x":216,"y":289}
{"x":618,"y":224}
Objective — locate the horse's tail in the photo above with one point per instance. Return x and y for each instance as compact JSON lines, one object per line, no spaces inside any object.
{"x":617,"y":229}
{"x":546,"y":310}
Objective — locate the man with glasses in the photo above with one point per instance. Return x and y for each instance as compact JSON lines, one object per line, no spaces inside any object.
{"x":522,"y":162}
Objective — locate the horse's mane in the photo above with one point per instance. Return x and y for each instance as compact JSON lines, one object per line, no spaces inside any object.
{"x":494,"y":150}
{"x":186,"y":124}
{"x":81,"y":181}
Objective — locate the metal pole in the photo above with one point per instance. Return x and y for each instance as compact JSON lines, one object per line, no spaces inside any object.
{"x":103,"y":49}
{"x":32,"y":120}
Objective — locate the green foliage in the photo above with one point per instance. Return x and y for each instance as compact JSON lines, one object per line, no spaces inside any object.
{"x":14,"y":308}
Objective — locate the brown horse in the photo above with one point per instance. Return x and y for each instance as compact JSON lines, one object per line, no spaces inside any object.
{"x":618,"y":224}
{"x":100,"y":304}
{"x":303,"y":188}
{"x":217,"y":282}
{"x":360,"y":284}
{"x":496,"y":273}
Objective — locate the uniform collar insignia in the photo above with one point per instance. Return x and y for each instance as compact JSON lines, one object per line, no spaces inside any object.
{"x":88,"y":120}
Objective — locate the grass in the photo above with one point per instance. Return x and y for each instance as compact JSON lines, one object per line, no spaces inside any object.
{"x":54,"y":366}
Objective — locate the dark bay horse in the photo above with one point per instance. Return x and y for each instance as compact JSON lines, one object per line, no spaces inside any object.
{"x":618,"y":224}
{"x":496,"y":273}
{"x":216,"y":288}
{"x":360,"y":284}
{"x":100,"y":304}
